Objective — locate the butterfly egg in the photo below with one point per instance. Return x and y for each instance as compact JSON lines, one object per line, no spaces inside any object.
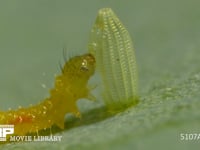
{"x":112,"y":47}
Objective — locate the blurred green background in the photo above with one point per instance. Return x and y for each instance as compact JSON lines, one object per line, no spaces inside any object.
{"x":166,"y":38}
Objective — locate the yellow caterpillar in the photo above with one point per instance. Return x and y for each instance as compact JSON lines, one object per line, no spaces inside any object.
{"x":70,"y":86}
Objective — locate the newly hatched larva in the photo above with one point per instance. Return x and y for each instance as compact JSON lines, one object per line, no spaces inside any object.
{"x":70,"y":86}
{"x":112,"y":47}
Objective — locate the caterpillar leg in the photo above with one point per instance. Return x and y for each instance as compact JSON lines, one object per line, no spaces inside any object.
{"x":60,"y":123}
{"x":91,"y":87}
{"x":90,"y":96}
{"x":77,"y":114}
{"x":75,"y":111}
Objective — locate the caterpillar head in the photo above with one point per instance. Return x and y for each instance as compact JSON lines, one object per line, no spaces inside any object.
{"x":80,"y":67}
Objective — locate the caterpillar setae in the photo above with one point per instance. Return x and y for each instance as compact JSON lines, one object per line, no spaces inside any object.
{"x":112,"y":47}
{"x":70,"y":86}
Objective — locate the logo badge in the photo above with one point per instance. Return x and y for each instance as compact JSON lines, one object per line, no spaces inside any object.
{"x":4,"y":130}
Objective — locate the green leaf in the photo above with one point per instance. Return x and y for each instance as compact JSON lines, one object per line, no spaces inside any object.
{"x":167,"y":41}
